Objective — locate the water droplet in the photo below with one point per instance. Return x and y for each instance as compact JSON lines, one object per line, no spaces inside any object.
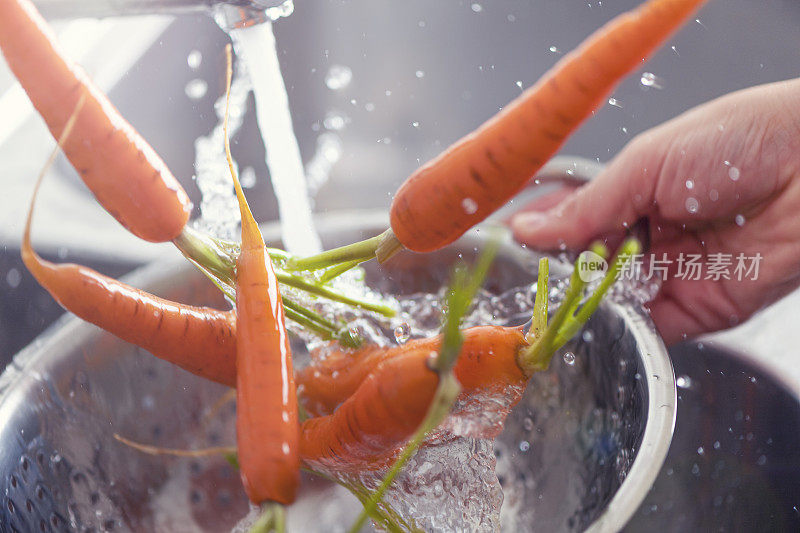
{"x":469,"y":205}
{"x":554,"y":49}
{"x":402,"y":333}
{"x":689,"y":184}
{"x":734,"y":174}
{"x":415,"y":124}
{"x":740,"y":220}
{"x":527,"y":423}
{"x":696,"y":469}
{"x":196,"y":89}
{"x":587,"y":336}
{"x":420,"y":74}
{"x":713,"y":194}
{"x":762,"y":460}
{"x":651,"y":80}
{"x":477,"y":8}
{"x":338,"y":77}
{"x":369,"y":107}
{"x":13,"y":278}
{"x":692,"y":205}
{"x":717,"y":445}
{"x":194,"y":59}
{"x":247,"y":178}
{"x":569,"y":358}
{"x":684,"y":382}
{"x":700,"y":451}
{"x":518,"y":83}
{"x":524,"y":446}
{"x":387,"y":92}
{"x":614,"y":102}
{"x":335,"y":121}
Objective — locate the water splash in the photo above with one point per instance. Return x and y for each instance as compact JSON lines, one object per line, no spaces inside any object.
{"x":219,"y":211}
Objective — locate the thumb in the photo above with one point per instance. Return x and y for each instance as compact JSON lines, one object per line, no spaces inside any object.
{"x":613,"y":201}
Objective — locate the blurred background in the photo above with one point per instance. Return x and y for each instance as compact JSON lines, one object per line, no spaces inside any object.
{"x":376,"y":88}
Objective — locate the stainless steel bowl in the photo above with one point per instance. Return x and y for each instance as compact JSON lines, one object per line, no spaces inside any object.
{"x":596,"y":432}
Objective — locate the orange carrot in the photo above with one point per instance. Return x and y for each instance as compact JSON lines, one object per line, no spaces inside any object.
{"x":368,"y":428}
{"x":128,"y":178}
{"x":374,"y":399}
{"x":483,"y":170}
{"x":199,"y":339}
{"x":266,"y":403}
{"x":487,"y":362}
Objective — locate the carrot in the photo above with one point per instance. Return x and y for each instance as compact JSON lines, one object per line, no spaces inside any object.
{"x":483,"y":170}
{"x":366,"y":430}
{"x":198,"y":339}
{"x":326,"y":384}
{"x":383,"y":394}
{"x":266,"y":409}
{"x":125,"y":174}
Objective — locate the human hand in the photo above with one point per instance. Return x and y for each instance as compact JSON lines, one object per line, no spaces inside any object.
{"x":723,"y":178}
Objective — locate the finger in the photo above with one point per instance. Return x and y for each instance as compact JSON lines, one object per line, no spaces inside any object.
{"x":618,"y":197}
{"x":544,"y":202}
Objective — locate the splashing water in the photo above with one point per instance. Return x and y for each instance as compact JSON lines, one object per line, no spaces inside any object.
{"x":219,"y":211}
{"x":256,"y":45}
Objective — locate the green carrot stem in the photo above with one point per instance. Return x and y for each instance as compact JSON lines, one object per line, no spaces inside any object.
{"x":573,"y":323}
{"x":362,"y":250}
{"x":298,"y":282}
{"x":336,"y":271}
{"x":537,"y":356}
{"x":446,"y":394}
{"x":207,"y":252}
{"x":388,"y":246}
{"x":308,"y":313}
{"x":385,"y":517}
{"x":540,"y":305}
{"x":273,"y":519}
{"x":323,"y":333}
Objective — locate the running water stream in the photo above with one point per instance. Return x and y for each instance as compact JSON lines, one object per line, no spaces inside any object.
{"x":257,"y":70}
{"x":256,"y":46}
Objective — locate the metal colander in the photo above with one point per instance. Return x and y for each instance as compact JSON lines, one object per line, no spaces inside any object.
{"x":595,"y":433}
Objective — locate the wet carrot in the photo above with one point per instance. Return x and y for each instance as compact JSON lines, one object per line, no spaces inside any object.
{"x":486,"y":168}
{"x":267,"y":429}
{"x":376,"y":398}
{"x":367,"y":429}
{"x":487,"y":362}
{"x":198,"y":339}
{"x":125,"y":174}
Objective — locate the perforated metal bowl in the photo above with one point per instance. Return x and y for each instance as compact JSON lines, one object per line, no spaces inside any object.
{"x":597,"y":431}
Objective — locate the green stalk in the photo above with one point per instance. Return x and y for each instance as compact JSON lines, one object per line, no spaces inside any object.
{"x":628,"y":249}
{"x":293,"y":280}
{"x":540,"y":305}
{"x":273,"y":520}
{"x":309,"y":314}
{"x":338,"y":270}
{"x":208,"y":253}
{"x":537,"y":356}
{"x":363,"y":251}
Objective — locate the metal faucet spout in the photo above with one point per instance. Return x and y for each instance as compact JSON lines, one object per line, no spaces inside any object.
{"x":237,"y":13}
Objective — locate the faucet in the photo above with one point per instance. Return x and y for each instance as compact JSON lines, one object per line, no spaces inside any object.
{"x":228,"y":13}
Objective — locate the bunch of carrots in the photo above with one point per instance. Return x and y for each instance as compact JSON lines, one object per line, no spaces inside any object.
{"x":369,"y":407}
